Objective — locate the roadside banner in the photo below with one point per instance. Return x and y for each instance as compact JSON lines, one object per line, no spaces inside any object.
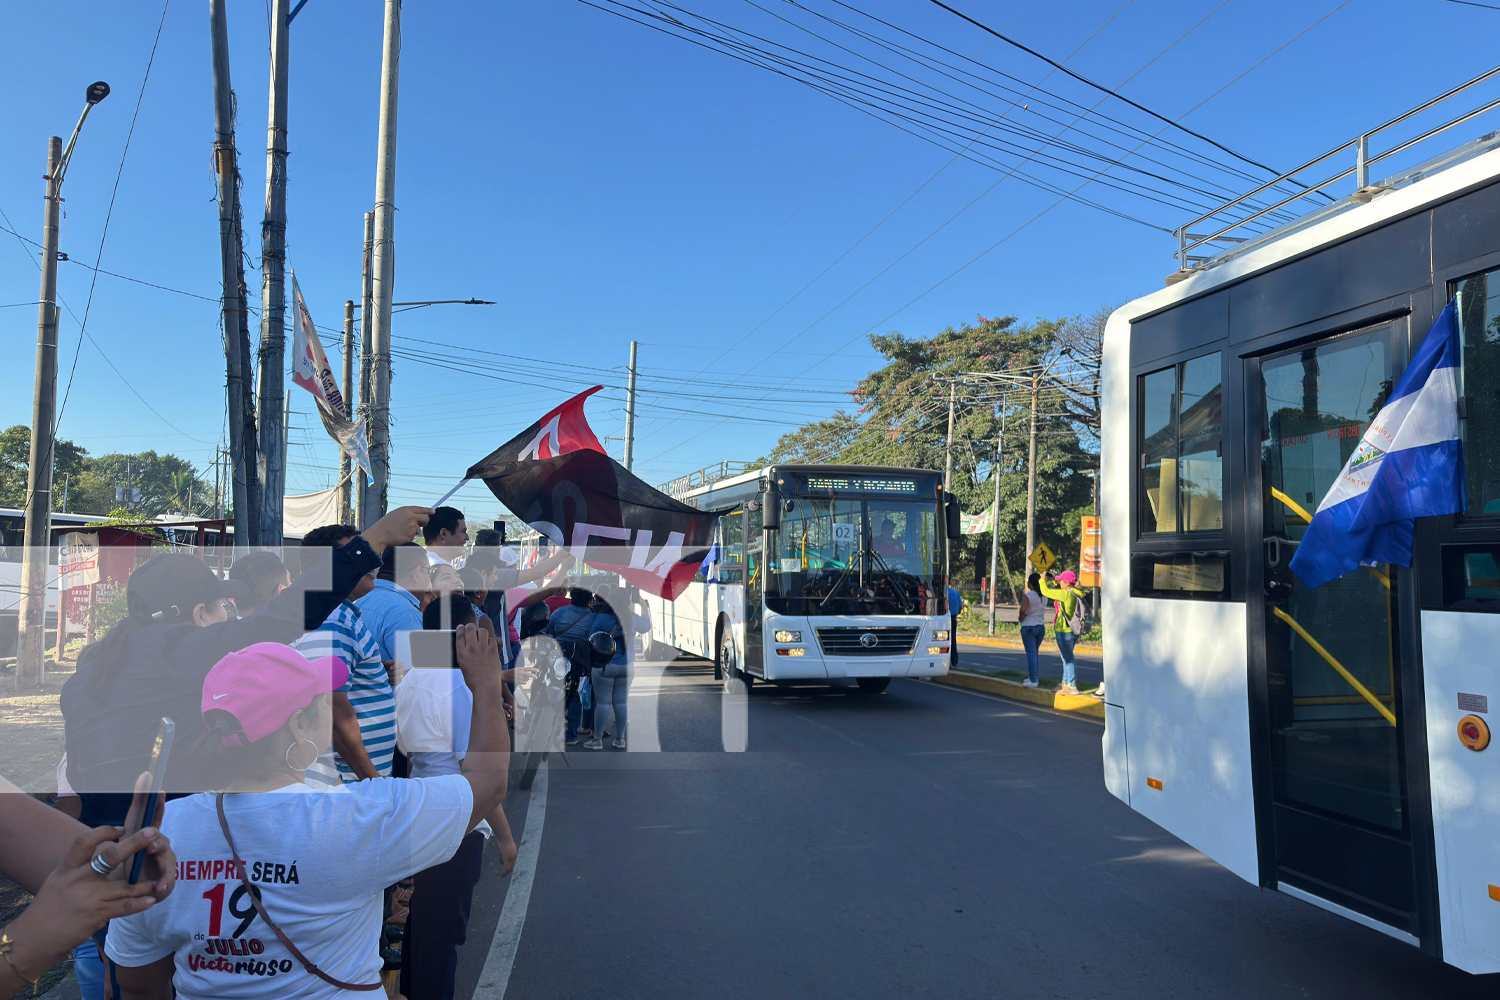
{"x":311,"y":370}
{"x":78,"y":560}
{"x":556,"y":477}
{"x":977,"y":524}
{"x":1088,"y":549}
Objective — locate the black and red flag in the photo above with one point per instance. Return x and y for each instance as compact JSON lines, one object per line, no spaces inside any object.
{"x":555,"y":476}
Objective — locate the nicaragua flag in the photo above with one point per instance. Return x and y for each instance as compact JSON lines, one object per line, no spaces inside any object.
{"x":1409,"y":464}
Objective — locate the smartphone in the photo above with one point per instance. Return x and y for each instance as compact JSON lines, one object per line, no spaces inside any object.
{"x":161,"y":750}
{"x":432,"y":650}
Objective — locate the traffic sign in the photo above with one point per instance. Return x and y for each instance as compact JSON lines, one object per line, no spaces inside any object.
{"x":1042,"y":558}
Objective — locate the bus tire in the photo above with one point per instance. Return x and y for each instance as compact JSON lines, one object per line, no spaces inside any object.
{"x":719,"y":649}
{"x":726,"y":666}
{"x":529,"y":768}
{"x":872,"y":685}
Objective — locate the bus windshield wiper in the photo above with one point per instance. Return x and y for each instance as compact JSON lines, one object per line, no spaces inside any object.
{"x":842,"y":577}
{"x":891,"y":575}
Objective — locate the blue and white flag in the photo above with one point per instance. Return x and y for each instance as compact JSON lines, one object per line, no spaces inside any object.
{"x":1409,"y":464}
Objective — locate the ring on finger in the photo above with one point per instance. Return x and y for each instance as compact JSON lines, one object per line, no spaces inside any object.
{"x":101,"y":866}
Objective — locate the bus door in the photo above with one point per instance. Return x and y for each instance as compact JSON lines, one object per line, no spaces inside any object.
{"x":754,"y":587}
{"x":1328,"y":658}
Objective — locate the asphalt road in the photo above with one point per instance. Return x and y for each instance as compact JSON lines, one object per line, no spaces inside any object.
{"x":1090,"y":669}
{"x":927,"y":842}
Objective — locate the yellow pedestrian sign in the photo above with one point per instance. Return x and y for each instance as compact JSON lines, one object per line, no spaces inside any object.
{"x":1042,"y":558}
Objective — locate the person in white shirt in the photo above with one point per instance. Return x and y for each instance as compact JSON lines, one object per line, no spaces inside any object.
{"x":433,"y":708}
{"x":1033,"y":627}
{"x":446,"y":534}
{"x":279,"y":892}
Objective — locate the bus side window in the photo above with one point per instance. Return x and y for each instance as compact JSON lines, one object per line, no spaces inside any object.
{"x":1479,"y":345}
{"x":732,"y":536}
{"x":752,"y":548}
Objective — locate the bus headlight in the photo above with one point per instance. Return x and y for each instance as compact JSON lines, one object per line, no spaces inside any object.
{"x":793,"y":651}
{"x":940,"y":635}
{"x":788,"y":636}
{"x":935,"y":650}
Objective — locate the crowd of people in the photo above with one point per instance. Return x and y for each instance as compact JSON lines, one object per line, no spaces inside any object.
{"x":333,"y":794}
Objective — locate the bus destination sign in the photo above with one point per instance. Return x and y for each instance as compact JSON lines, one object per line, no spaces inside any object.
{"x":862,"y":484}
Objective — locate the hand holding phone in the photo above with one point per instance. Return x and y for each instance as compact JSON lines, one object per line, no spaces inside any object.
{"x":151,"y":801}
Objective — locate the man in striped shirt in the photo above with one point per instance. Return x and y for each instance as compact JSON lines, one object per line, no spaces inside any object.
{"x":364,"y":709}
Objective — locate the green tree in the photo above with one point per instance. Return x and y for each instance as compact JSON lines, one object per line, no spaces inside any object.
{"x":168,"y":485}
{"x":15,"y":459}
{"x":903,"y":421}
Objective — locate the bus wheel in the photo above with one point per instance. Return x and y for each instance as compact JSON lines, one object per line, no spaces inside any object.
{"x":873,"y":685}
{"x":726,"y":667}
{"x":724,"y":661}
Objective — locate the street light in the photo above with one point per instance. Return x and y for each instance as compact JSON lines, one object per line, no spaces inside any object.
{"x":32,"y":619}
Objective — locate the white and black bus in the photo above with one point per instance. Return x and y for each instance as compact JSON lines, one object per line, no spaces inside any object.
{"x":1332,"y":744}
{"x":823,"y":572}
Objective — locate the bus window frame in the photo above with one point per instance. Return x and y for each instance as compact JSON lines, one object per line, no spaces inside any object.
{"x":1217,"y":542}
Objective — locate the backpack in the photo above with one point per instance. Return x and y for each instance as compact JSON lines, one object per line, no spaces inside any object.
{"x":1082,"y":618}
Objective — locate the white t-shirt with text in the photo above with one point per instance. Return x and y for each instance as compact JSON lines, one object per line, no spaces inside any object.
{"x":320,"y":860}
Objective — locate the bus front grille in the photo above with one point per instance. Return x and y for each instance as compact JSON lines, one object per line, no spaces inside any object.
{"x":873,"y":640}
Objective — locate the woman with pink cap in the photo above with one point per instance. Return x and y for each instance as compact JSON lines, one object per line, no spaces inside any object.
{"x":1067,"y":597}
{"x":292,"y":877}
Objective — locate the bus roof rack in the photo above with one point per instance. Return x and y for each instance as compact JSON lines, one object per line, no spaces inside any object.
{"x":1271,"y":211}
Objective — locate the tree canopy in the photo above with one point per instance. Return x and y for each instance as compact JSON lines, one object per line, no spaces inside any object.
{"x":168,"y":484}
{"x":902,"y":420}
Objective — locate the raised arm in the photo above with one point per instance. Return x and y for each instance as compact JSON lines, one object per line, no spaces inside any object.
{"x":487,"y":762}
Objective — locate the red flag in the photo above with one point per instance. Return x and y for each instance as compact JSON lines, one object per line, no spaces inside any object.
{"x":561,"y":430}
{"x":557,"y":478}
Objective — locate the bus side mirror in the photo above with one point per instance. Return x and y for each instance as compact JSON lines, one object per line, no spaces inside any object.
{"x":771,"y":511}
{"x":955,"y":522}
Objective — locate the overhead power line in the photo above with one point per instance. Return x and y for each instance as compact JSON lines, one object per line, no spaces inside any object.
{"x":1100,"y":87}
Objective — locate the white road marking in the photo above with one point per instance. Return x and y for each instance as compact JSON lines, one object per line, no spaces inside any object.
{"x":495,"y":977}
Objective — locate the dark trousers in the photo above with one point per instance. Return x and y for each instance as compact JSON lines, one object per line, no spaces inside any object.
{"x":953,"y":640}
{"x":439,"y":922}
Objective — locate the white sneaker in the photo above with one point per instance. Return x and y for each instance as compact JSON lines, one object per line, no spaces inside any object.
{"x":594,"y":744}
{"x":620,"y":743}
{"x":1028,"y":683}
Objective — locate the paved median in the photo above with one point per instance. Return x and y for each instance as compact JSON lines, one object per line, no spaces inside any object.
{"x":1079,"y":704}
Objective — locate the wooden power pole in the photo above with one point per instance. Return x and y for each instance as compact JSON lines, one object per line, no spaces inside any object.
{"x":273,"y":286}
{"x":383,"y":268}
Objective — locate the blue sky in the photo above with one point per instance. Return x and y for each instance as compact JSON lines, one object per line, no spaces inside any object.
{"x":604,"y":182}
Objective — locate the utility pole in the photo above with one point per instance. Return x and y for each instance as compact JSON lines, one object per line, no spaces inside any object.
{"x":32,"y":617}
{"x":995,"y":519}
{"x":286,"y":437}
{"x":1036,"y":383}
{"x":948,"y":452}
{"x":357,"y":517}
{"x":346,"y":487}
{"x":238,"y":391}
{"x":383,"y":266}
{"x":33,"y":613}
{"x":630,"y":410}
{"x":273,"y":285}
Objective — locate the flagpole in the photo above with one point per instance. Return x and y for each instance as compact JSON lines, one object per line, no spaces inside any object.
{"x":449,"y":494}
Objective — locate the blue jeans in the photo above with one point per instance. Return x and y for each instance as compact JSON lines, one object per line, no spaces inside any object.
{"x":611,"y":693}
{"x":1065,"y":643}
{"x":88,"y":970}
{"x":1031,"y":638}
{"x":573,"y":712}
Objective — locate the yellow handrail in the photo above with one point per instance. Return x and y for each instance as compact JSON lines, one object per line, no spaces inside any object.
{"x":1364,"y":692}
{"x":1292,"y":504}
{"x":1385,"y":580}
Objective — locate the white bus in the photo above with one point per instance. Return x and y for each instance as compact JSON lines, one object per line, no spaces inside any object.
{"x":1328,"y":743}
{"x":827,"y":572}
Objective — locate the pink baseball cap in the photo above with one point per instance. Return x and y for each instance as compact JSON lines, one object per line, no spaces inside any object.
{"x":263,"y":685}
{"x":1067,"y":576}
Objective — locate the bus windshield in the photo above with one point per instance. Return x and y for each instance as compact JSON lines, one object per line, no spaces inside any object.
{"x":856,"y":556}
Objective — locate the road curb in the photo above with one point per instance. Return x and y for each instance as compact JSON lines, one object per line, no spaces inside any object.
{"x":1082,"y":648}
{"x":1072,"y":704}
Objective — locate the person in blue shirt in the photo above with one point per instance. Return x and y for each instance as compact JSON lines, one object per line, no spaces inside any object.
{"x":576,"y":621}
{"x":395,"y":605}
{"x":955,"y":608}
